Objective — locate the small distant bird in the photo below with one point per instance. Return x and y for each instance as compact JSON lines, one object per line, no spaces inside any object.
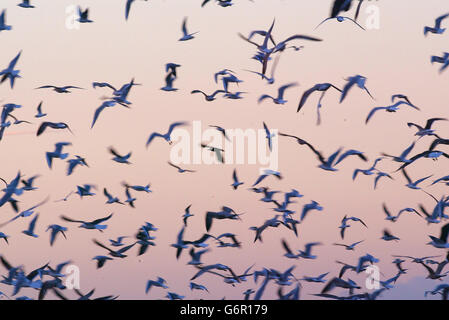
{"x":83,"y":15}
{"x":128,"y":7}
{"x":10,"y":73}
{"x":437,"y":28}
{"x":94,"y":225}
{"x":210,"y":97}
{"x":358,"y":80}
{"x":444,"y":60}
{"x":185,"y":34}
{"x":3,"y":25}
{"x":73,"y":163}
{"x":119,"y":158}
{"x":268,"y":135}
{"x":441,"y":242}
{"x":186,"y":215}
{"x":167,"y":135}
{"x":64,"y":89}
{"x":39,"y":113}
{"x":341,"y":19}
{"x":101,"y":260}
{"x":236,"y":183}
{"x":348,"y":247}
{"x":387,"y":236}
{"x":54,"y":125}
{"x":280,"y":98}
{"x":267,"y":173}
{"x":180,"y":170}
{"x":31,"y":227}
{"x":25,"y":4}
{"x":55,"y":229}
{"x":160,"y":282}
{"x":110,"y":198}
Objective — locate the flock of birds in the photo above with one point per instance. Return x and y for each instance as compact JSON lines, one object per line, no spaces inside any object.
{"x":51,"y":277}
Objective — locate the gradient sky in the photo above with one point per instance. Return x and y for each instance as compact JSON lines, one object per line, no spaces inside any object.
{"x":395,"y":59}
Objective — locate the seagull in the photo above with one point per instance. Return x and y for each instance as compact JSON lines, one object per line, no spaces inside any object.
{"x":174,"y":296}
{"x":83,"y":15}
{"x":129,"y":198}
{"x":196,"y":256}
{"x":3,"y":25}
{"x":444,"y":60}
{"x":194,"y":286}
{"x":320,"y":87}
{"x":403,"y":157}
{"x":437,"y":273}
{"x":27,"y":212}
{"x":348,"y":247}
{"x":345,"y":5}
{"x":54,"y":125}
{"x":392,"y":108}
{"x":4,"y":237}
{"x":268,"y":135}
{"x":28,"y":183}
{"x":92,"y":225}
{"x":442,"y":289}
{"x":344,"y":225}
{"x":225,"y":213}
{"x":308,"y":207}
{"x":104,"y":105}
{"x":340,"y":283}
{"x":185,"y":34}
{"x":128,"y":7}
{"x":222,"y":130}
{"x":25,"y":4}
{"x":55,"y":229}
{"x":186,"y":215}
{"x":118,"y":242}
{"x":160,"y":282}
{"x":167,"y":135}
{"x":441,"y":242}
{"x":32,"y":225}
{"x":340,"y":19}
{"x":210,"y":97}
{"x":57,"y":153}
{"x":319,"y":279}
{"x":230,"y":79}
{"x":267,"y":173}
{"x":234,"y":95}
{"x":116,"y":254}
{"x":180,"y":170}
{"x":39,"y":113}
{"x":73,"y":163}
{"x":218,"y":152}
{"x":224,"y":72}
{"x":270,"y":80}
{"x":427,"y":129}
{"x":366,"y":172}
{"x":358,"y":80}
{"x":307,"y":253}
{"x":111,"y":199}
{"x":437,"y":28}
{"x":410,"y":183}
{"x":101,"y":260}
{"x":60,"y":89}
{"x":236,"y":183}
{"x":280,"y":97}
{"x":119,"y":158}
{"x":85,"y":190}
{"x":388,"y":236}
{"x":9,"y":72}
{"x":180,"y":243}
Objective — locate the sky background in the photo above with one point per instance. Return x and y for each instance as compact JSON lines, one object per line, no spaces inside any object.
{"x":395,"y":59}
